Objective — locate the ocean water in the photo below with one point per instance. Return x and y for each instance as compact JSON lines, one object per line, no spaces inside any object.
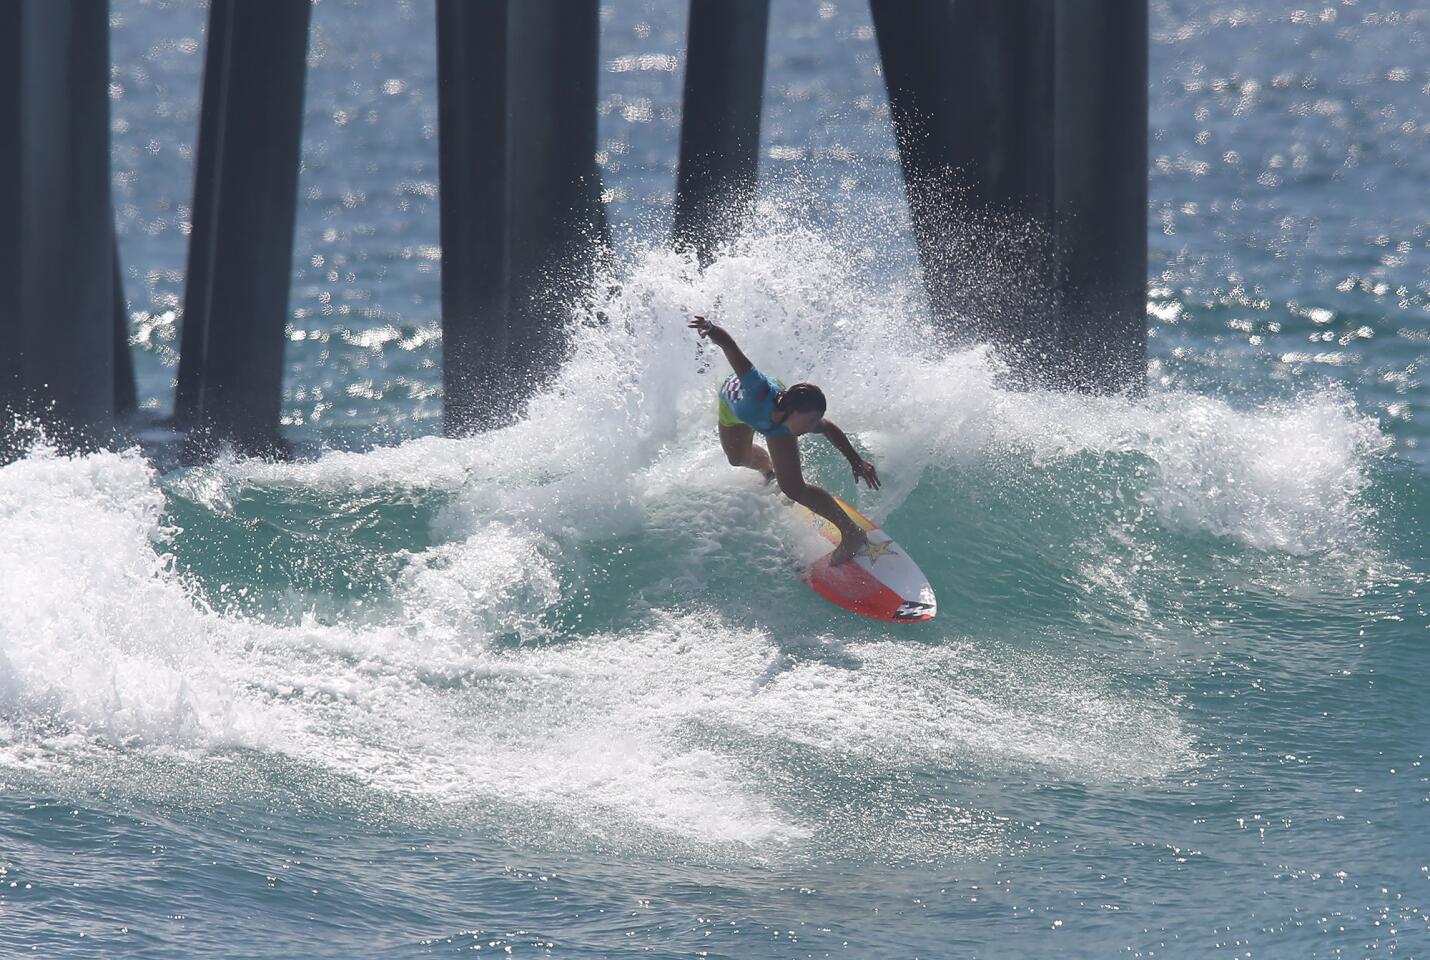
{"x":555,"y":690}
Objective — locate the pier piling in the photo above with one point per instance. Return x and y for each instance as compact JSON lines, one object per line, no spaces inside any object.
{"x":230,"y":383}
{"x":521,"y":210}
{"x":472,"y":166}
{"x":720,"y":121}
{"x":1022,"y":130}
{"x":1101,"y":193}
{"x":56,"y":216}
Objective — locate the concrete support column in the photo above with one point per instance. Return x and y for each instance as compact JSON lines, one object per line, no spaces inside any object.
{"x":720,"y":122}
{"x":11,"y":190}
{"x":472,"y":167}
{"x":1022,"y":131}
{"x":555,"y":217}
{"x":970,"y":94}
{"x":56,"y":215}
{"x":1101,"y":192}
{"x":522,"y":217}
{"x":245,"y":195}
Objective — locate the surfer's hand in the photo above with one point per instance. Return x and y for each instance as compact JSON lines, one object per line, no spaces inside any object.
{"x":864,"y":470}
{"x":717,"y":334}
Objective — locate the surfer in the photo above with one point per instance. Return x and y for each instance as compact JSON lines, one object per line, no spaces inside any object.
{"x":750,"y":401}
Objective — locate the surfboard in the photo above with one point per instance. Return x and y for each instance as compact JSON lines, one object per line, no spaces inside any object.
{"x":881,"y":582}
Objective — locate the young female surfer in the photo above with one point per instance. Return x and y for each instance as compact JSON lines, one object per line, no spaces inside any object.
{"x":750,"y":401}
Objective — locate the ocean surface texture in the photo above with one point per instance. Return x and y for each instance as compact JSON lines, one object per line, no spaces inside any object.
{"x":556,"y":690}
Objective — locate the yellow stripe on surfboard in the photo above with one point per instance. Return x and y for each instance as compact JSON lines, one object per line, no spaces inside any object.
{"x":828,"y":530}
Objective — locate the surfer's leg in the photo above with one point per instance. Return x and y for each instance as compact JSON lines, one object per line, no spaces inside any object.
{"x":742,"y":451}
{"x":784,"y":456}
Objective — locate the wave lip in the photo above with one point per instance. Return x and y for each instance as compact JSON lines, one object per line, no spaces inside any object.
{"x":1288,"y":476}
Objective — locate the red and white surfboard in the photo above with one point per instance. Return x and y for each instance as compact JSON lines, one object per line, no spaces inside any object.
{"x":882,"y":581}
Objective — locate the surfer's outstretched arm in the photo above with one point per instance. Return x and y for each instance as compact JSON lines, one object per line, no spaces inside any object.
{"x":721,"y":338}
{"x":863,"y":469}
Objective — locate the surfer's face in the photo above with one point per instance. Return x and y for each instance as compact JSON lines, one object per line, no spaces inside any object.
{"x":803,"y":421}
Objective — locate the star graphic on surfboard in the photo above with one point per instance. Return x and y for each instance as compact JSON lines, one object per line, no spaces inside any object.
{"x":873,"y":551}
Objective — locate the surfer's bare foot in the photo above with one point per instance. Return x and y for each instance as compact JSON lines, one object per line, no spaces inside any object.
{"x":849,"y":545}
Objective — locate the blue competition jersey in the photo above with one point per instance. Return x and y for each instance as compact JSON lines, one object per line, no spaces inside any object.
{"x":752,"y":399}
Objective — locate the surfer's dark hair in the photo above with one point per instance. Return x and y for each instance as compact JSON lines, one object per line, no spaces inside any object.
{"x":801,"y":398}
